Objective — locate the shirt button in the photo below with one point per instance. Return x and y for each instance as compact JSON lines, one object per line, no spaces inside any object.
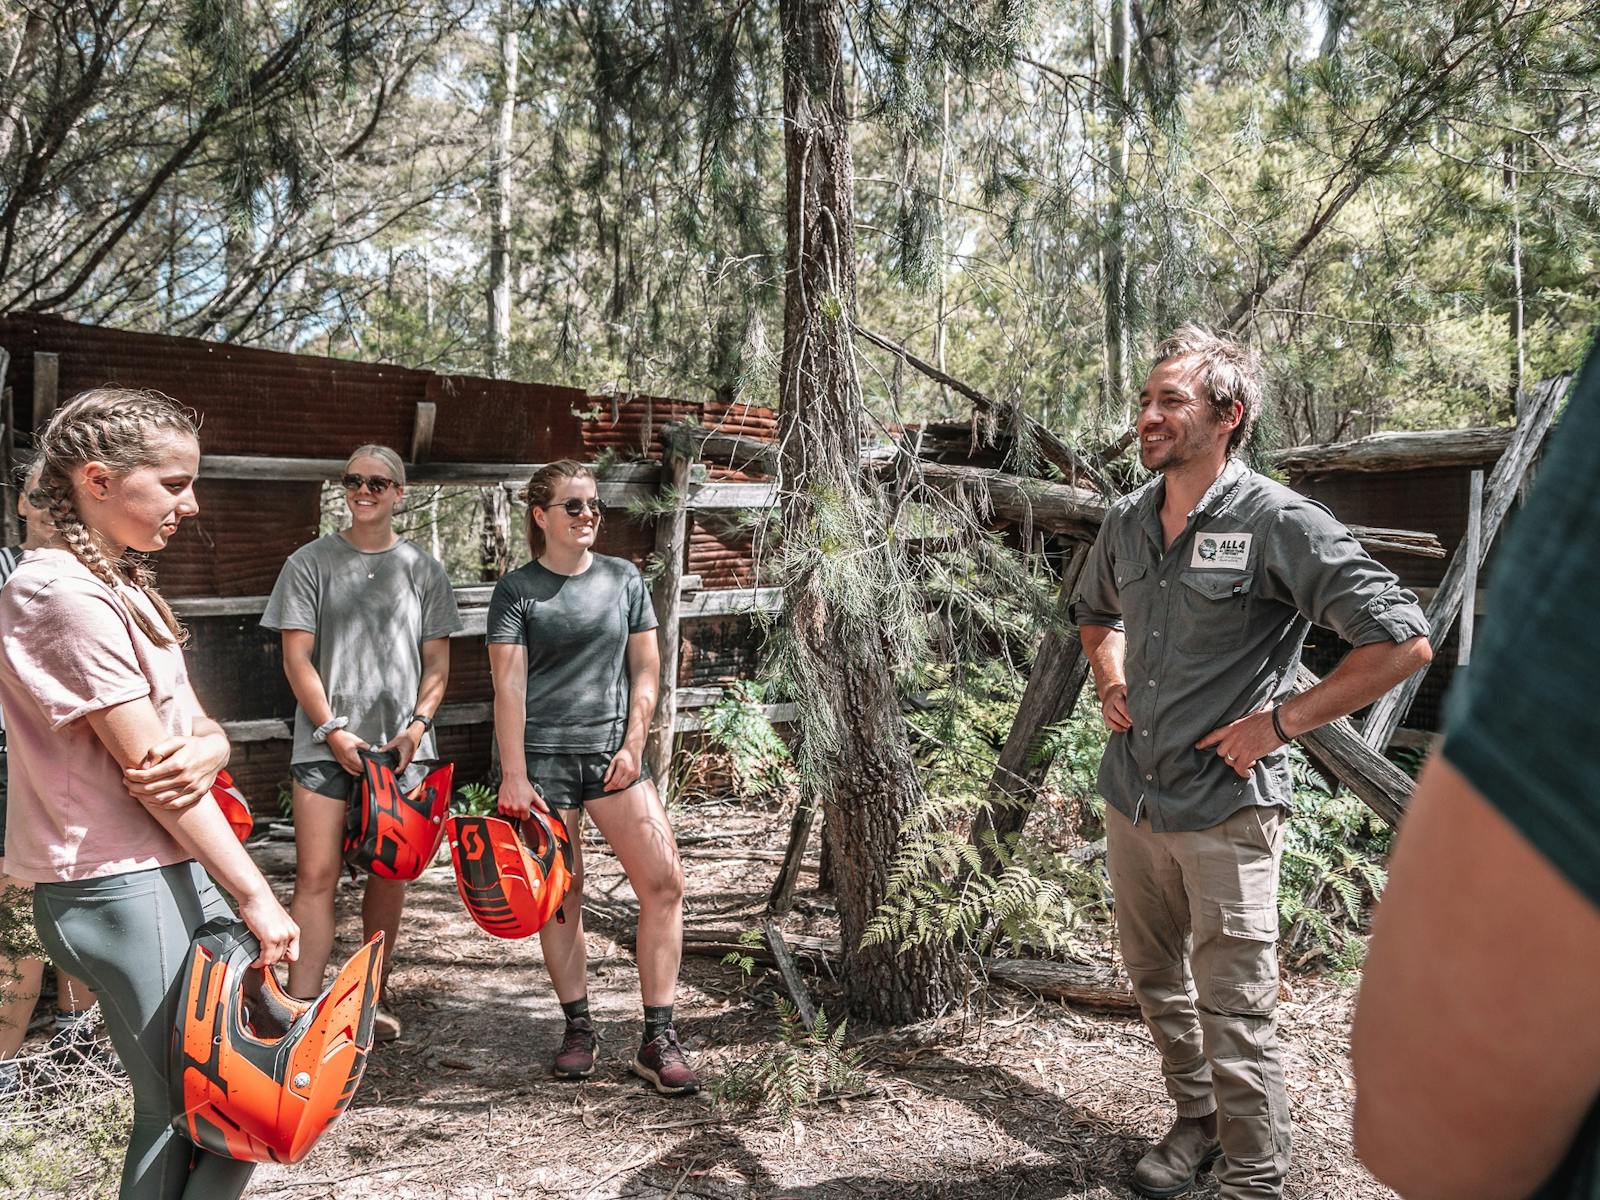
{"x":1163,"y":583}
{"x":1152,"y":683}
{"x":1155,"y":633}
{"x":1148,"y":777}
{"x":1144,"y":733}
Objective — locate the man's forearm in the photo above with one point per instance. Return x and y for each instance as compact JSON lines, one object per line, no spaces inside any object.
{"x":1362,"y":676}
{"x":1104,"y":647}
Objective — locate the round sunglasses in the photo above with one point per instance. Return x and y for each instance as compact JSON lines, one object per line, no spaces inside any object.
{"x":574,"y":507}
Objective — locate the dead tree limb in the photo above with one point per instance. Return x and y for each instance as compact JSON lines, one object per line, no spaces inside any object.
{"x":1067,"y":460}
{"x":1374,"y":780}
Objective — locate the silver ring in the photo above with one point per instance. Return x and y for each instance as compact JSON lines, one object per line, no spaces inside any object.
{"x":1230,"y":758}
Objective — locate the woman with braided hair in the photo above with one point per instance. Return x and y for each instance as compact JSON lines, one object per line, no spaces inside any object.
{"x":111,"y":758}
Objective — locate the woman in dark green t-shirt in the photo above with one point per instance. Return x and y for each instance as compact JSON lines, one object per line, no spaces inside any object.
{"x":572,"y":646}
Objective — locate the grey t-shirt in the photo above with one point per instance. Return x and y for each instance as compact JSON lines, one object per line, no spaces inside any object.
{"x":371,"y":613}
{"x":576,"y":630}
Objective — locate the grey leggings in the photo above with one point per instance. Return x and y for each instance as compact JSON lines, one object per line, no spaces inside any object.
{"x":126,"y":936}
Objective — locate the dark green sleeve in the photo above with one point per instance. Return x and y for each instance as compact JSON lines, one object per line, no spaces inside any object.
{"x":1521,"y":722}
{"x":505,"y":624}
{"x":641,"y":613}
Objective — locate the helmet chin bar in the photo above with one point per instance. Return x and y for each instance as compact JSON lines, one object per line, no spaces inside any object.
{"x":255,"y":1074}
{"x":390,"y":833}
{"x":509,"y":888}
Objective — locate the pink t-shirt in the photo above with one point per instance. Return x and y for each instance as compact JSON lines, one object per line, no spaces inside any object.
{"x":68,"y":647}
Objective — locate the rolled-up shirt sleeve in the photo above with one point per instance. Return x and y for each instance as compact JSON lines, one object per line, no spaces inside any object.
{"x":1097,"y":600}
{"x":1314,"y":563}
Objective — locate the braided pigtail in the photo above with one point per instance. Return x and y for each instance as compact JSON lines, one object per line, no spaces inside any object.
{"x":116,"y":426}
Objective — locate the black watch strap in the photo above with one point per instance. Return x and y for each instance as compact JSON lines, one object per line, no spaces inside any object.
{"x":427,"y":721}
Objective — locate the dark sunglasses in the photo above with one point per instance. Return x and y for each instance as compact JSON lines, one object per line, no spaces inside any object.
{"x":376,"y":484}
{"x":574,"y":507}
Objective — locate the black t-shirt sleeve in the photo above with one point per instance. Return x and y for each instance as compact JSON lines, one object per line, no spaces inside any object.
{"x":1520,"y":725}
{"x":505,"y":623}
{"x":641,"y":613}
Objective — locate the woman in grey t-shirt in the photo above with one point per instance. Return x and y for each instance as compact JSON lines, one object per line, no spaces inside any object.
{"x":576,"y":669}
{"x":366,"y":619}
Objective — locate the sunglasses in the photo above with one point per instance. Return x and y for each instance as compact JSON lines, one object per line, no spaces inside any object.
{"x":376,"y":484}
{"x":574,"y":507}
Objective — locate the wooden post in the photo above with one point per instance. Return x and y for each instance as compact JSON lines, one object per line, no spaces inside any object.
{"x":1059,"y":670}
{"x":792,"y":983}
{"x":1469,"y":603}
{"x":781,"y":898}
{"x":672,"y":531}
{"x":46,"y":384}
{"x":422,"y":431}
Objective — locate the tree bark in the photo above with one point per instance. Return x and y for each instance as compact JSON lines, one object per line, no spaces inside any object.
{"x":852,"y":737}
{"x":500,"y":198}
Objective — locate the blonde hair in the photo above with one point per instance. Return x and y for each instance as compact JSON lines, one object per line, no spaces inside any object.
{"x":390,"y":460}
{"x":541,"y":487}
{"x":115,"y":426}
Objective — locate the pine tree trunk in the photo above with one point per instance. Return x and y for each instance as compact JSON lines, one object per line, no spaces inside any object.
{"x":866,"y":780}
{"x":500,"y":198}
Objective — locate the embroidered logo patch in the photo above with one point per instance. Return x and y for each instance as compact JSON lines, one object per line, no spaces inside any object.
{"x":1221,"y":551}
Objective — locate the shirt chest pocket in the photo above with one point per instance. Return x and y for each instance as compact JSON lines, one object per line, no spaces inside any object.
{"x":1130,"y":574}
{"x":1213,"y":611}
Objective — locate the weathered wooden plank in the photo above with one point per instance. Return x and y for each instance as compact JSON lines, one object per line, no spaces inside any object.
{"x":781,"y":898}
{"x":1501,"y":489}
{"x":422,"y":431}
{"x":789,"y":973}
{"x":46,"y":386}
{"x":1469,"y":585}
{"x":1057,"y":677}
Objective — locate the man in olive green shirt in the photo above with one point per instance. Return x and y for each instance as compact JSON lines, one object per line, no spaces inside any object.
{"x":1193,"y":606}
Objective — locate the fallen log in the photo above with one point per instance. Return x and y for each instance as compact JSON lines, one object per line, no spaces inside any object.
{"x":1396,"y":452}
{"x":1371,"y":777}
{"x":1092,"y":987}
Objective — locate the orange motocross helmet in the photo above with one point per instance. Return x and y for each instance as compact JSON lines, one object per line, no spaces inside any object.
{"x":256,"y":1074}
{"x":387,"y":832}
{"x":509,"y":891}
{"x":233,"y":804}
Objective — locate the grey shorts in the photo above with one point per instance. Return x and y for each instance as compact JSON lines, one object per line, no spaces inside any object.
{"x":329,"y":779}
{"x":572,"y":780}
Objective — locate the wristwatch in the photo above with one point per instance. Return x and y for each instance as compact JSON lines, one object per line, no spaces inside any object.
{"x":427,"y":721}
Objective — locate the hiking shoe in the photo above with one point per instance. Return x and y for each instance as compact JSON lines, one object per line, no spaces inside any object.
{"x":665,"y":1065}
{"x":575,"y":1059}
{"x":1170,"y":1167}
{"x":386,"y":1026}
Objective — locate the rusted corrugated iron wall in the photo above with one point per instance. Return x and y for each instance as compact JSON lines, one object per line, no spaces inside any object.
{"x":262,"y":402}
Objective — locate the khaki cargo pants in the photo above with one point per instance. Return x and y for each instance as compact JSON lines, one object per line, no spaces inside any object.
{"x":1197,"y":915}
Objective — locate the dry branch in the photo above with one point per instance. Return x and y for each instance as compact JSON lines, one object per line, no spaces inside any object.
{"x":1397,"y":452}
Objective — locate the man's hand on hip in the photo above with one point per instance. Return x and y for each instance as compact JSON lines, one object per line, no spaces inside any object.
{"x":1242,"y":742}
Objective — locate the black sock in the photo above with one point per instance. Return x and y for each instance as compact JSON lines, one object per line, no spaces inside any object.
{"x":576,"y":1010}
{"x":657,"y":1020}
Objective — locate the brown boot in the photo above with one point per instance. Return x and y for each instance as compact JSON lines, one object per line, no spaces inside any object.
{"x":1169,"y":1168}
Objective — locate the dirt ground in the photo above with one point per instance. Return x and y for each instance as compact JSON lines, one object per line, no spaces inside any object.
{"x":1014,"y":1098}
